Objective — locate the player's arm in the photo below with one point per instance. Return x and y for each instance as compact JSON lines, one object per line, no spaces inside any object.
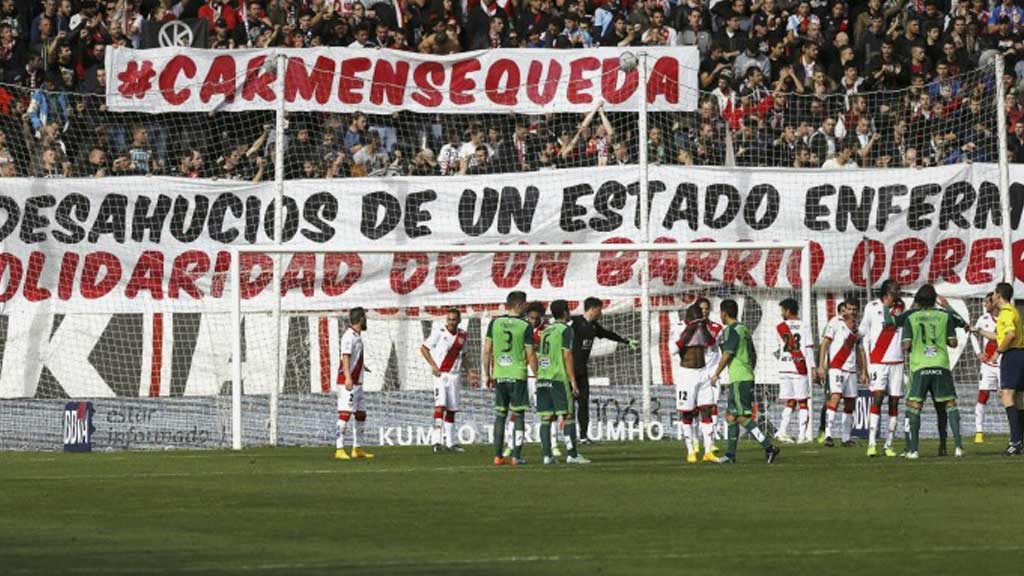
{"x":570,"y":366}
{"x":908,"y":333}
{"x":602,"y":332}
{"x":979,"y":353}
{"x":729,"y":347}
{"x":952,"y":321}
{"x":425,"y":352}
{"x":486,"y":357}
{"x":346,"y":369}
{"x":531,"y":354}
{"x":862,"y":362}
{"x":826,"y":343}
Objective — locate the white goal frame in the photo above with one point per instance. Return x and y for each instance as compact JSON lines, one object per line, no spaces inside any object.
{"x":643,"y":248}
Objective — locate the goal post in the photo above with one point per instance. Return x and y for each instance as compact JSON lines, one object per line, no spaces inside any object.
{"x":371,"y":274}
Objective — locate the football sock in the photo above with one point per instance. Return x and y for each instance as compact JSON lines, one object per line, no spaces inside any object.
{"x":830,"y":421}
{"x":751,"y":427}
{"x":847,"y":425}
{"x":954,"y":424}
{"x":906,"y":427}
{"x":545,"y":438}
{"x":570,"y":438}
{"x":873,"y":420}
{"x":734,"y":437}
{"x":520,"y":431}
{"x":787,"y":413}
{"x":449,"y":428}
{"x":1013,"y":418}
{"x":359,"y":430}
{"x":915,"y":427}
{"x":499,"y":434}
{"x":979,"y":417}
{"x":804,"y":420}
{"x":821,"y":418}
{"x":339,"y":442}
{"x":435,"y":435}
{"x":707,"y":430}
{"x":891,"y":427}
{"x":942,"y":420}
{"x":688,"y":432}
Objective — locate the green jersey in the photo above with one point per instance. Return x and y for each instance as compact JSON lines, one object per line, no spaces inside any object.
{"x":928,"y":331}
{"x":509,"y":337}
{"x":555,"y":339}
{"x":736,"y":341}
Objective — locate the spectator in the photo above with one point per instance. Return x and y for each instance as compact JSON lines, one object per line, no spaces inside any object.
{"x":620,"y":34}
{"x":371,"y":159}
{"x":843,"y":158}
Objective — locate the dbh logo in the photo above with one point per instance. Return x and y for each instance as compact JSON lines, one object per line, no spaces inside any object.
{"x":78,"y":427}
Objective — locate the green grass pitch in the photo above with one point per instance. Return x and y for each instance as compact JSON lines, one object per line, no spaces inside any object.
{"x":639,"y":509}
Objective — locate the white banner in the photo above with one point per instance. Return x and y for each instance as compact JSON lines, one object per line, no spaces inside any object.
{"x":162,"y":244}
{"x":525,"y":81}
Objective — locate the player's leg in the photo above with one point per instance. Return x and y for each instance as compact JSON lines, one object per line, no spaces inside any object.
{"x":835,"y":390}
{"x":741,"y":403}
{"x":564,"y":406}
{"x":787,"y":395}
{"x":583,"y":408}
{"x":344,"y":415}
{"x":520,"y":403}
{"x":437,"y":433}
{"x":707,"y":432}
{"x":915,"y":399}
{"x":803,"y":420}
{"x":895,"y":393}
{"x":686,"y":404}
{"x":502,"y":397}
{"x":451,"y":408}
{"x":546,"y":412}
{"x":849,"y":405}
{"x":1011,"y":363}
{"x":942,"y":423}
{"x":705,"y":401}
{"x":944,"y":394}
{"x":979,"y":415}
{"x":360,"y":431}
{"x":879,"y":383}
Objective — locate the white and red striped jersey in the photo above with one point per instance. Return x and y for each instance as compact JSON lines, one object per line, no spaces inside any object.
{"x":447,"y":348}
{"x":676,"y":343}
{"x":987,"y":323}
{"x":796,"y":347}
{"x":713,"y":353}
{"x":352,"y":344}
{"x":842,"y":350}
{"x":884,"y":342}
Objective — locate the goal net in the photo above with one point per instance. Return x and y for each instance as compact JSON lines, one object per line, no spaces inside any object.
{"x":408,"y":294}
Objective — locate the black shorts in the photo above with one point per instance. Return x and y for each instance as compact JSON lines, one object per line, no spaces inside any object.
{"x":1011,"y":370}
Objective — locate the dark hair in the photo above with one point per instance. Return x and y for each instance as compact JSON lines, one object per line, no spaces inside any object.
{"x":851,"y":300}
{"x":356,"y":315}
{"x":1005,"y":291}
{"x":702,"y":300}
{"x":559,"y":309}
{"x":694,"y":313}
{"x":454,"y":310}
{"x":790,"y":305}
{"x":888,"y":286}
{"x":537,"y":307}
{"x":515,"y":298}
{"x":591,"y":302}
{"x":925,"y":296}
{"x":730,"y":308}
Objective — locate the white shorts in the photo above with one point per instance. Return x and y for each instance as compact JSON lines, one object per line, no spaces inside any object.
{"x":446,"y":391}
{"x":989,"y":377}
{"x":794,"y":387}
{"x":843,"y":383}
{"x":693,"y":389}
{"x":351,"y":400}
{"x":887,"y":378}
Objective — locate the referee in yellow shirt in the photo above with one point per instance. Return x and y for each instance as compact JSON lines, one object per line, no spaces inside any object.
{"x":1010,"y":340}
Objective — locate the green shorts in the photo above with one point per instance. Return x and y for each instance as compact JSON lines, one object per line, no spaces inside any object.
{"x":741,"y":398}
{"x":554,"y":398}
{"x":511,"y":395}
{"x":938,"y":381}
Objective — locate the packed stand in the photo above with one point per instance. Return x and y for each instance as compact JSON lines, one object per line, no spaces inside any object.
{"x":783,"y":83}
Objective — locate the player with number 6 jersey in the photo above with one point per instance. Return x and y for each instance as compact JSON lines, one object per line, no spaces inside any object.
{"x":796,"y":359}
{"x":443,"y":351}
{"x":882,"y":336}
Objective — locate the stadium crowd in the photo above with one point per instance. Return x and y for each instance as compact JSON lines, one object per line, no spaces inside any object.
{"x":787,"y":83}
